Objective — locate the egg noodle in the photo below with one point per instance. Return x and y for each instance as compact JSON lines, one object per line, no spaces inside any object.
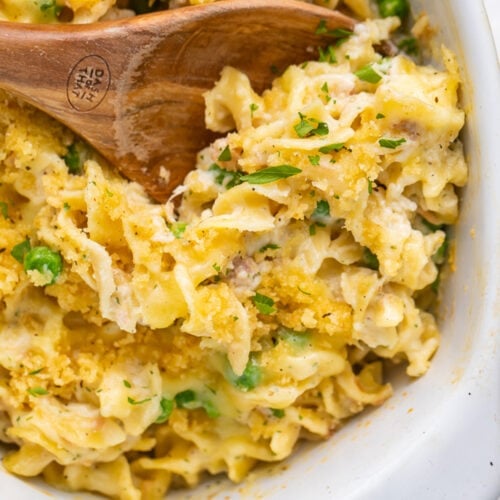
{"x":143,"y":345}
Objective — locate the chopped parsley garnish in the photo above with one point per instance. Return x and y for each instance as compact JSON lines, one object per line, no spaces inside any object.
{"x":369,"y":259}
{"x":308,"y":127}
{"x":166,"y":406}
{"x":435,"y":284}
{"x":269,"y":246}
{"x":37,"y":391}
{"x":391,"y":143}
{"x":409,"y":45}
{"x":440,"y":256}
{"x":332,"y":147}
{"x":178,"y":228}
{"x":253,"y":107}
{"x":50,"y":7}
{"x":370,"y":186}
{"x":379,"y":116}
{"x":326,"y":92}
{"x":132,"y":401}
{"x":270,"y":174}
{"x":263,"y":303}
{"x":127,"y":384}
{"x":20,"y":250}
{"x":368,"y":74}
{"x":327,"y":55}
{"x":73,"y":160}
{"x":36,"y":372}
{"x":225,"y":178}
{"x":225,"y":155}
{"x":4,"y":210}
{"x":277,"y":412}
{"x":430,"y":226}
{"x":322,"y":209}
{"x":340,"y":33}
{"x":314,"y":160}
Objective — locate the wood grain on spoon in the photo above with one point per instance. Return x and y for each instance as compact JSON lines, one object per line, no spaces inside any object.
{"x":134,"y":88}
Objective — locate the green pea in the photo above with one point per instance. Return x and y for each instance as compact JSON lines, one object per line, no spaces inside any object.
{"x":389,"y":8}
{"x":296,"y":339}
{"x":167,"y":406}
{"x":185,"y":399}
{"x":249,"y":379}
{"x":45,"y":261}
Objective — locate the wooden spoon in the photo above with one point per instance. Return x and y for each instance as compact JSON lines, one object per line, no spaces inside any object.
{"x":134,"y":88}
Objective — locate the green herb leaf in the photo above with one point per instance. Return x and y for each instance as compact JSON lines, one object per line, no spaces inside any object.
{"x":127,"y":384}
{"x":45,"y":261}
{"x":435,"y":284}
{"x":322,"y":210}
{"x":36,"y":372}
{"x":369,"y":259}
{"x":277,"y":412}
{"x":225,"y":178}
{"x":308,"y":127}
{"x":391,"y":143}
{"x":370,"y":186}
{"x":368,"y":74}
{"x":312,"y":229}
{"x":440,"y":256}
{"x":321,"y":129}
{"x":322,"y":29}
{"x":132,"y":401}
{"x":166,"y":406}
{"x":327,"y":55}
{"x":37,"y":391}
{"x":326,"y":92}
{"x":4,"y":210}
{"x":409,"y":45}
{"x":263,"y":303}
{"x":73,"y":160}
{"x":332,"y":147}
{"x":178,"y":229}
{"x":269,"y":246}
{"x":430,"y":226}
{"x":271,"y":174}
{"x":314,"y":160}
{"x":20,"y":250}
{"x":305,"y":127}
{"x":225,"y":155}
{"x":379,"y":116}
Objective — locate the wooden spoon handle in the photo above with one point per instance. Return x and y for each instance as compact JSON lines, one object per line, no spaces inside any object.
{"x":133,"y":88}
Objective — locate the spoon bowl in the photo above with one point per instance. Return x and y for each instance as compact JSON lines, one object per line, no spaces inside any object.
{"x":133,"y":88}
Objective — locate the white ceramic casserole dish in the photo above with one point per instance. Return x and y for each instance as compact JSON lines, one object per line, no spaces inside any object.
{"x":438,"y":437}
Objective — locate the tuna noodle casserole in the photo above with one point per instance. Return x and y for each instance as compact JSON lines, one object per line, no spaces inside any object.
{"x":143,"y":345}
